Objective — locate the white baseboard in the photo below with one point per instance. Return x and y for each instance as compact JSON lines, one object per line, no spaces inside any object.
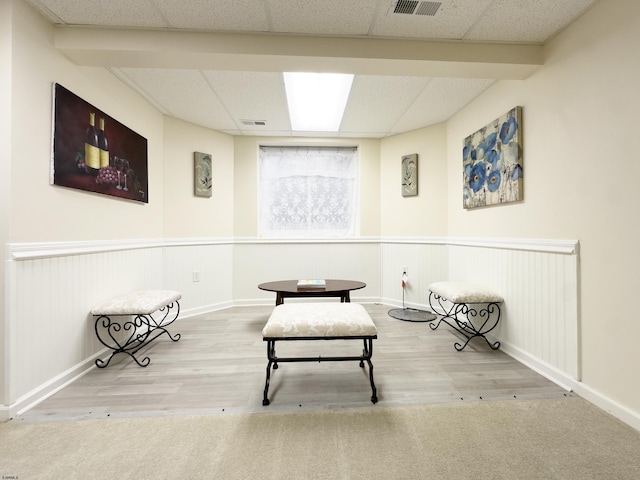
{"x":44,"y":391}
{"x":392,"y":302}
{"x":563,"y":380}
{"x":192,"y":312}
{"x":556,"y":376}
{"x":621,"y":412}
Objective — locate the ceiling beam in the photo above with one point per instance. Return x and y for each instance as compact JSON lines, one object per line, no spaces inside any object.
{"x":110,"y":47}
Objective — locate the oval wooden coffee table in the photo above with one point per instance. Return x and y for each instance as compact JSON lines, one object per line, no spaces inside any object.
{"x":334,"y":288}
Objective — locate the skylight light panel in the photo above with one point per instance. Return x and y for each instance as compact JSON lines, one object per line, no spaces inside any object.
{"x":317,"y":100}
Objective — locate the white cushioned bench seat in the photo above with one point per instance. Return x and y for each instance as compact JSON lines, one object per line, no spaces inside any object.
{"x":142,"y":302}
{"x":464,"y":292}
{"x":311,"y":320}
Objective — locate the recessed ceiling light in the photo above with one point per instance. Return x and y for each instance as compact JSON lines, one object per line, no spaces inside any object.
{"x":317,"y":100}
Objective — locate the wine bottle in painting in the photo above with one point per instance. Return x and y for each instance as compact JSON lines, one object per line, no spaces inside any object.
{"x":91,"y":149}
{"x":103,"y":145}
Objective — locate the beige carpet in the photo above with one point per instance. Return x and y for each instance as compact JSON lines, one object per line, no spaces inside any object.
{"x":524,"y":439}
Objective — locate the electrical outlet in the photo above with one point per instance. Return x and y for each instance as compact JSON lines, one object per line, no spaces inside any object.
{"x":196,"y":276}
{"x":405,"y":270}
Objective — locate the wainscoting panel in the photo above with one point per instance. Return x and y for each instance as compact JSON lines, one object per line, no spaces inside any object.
{"x":203,"y":273}
{"x":540,"y":313}
{"x":258,"y":262}
{"x":426,"y":262}
{"x":51,"y":330}
{"x":52,"y":288}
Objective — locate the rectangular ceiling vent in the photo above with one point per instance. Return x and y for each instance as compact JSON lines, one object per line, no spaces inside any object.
{"x":415,"y":7}
{"x":251,"y":123}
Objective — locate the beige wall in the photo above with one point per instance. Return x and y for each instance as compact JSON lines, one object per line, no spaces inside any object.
{"x":580,"y":179}
{"x":246,"y":181}
{"x":6,"y":31}
{"x":425,"y":214}
{"x":186,"y":215}
{"x":42,"y":212}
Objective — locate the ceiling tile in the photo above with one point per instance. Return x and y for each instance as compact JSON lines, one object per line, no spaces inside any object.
{"x":222,"y":15}
{"x":377,"y":102}
{"x":322,"y":17}
{"x":184,"y":94}
{"x":532,"y":21}
{"x":123,"y":13}
{"x":442,"y":98}
{"x":252,"y":96}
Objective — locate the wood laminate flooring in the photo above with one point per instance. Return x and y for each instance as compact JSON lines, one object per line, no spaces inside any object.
{"x":219,"y":366}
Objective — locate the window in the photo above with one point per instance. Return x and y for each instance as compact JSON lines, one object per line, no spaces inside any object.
{"x":308,"y":192}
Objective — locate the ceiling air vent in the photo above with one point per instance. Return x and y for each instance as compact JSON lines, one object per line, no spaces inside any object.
{"x":250,"y":123}
{"x":414,"y":7}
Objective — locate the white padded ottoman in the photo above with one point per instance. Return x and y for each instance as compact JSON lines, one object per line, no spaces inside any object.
{"x":319,"y":321}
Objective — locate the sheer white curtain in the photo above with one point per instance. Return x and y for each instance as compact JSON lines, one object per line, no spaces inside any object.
{"x":308,"y":192}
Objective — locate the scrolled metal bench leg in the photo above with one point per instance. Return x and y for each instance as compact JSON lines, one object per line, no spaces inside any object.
{"x":162,"y":323}
{"x":107,"y":335}
{"x":144,"y":329}
{"x":369,"y":349}
{"x":144,"y":363}
{"x":265,"y":397}
{"x":273,"y":363}
{"x":441,"y":307}
{"x":132,"y":344}
{"x":489,"y":316}
{"x":271,"y":356}
{"x":101,"y":363}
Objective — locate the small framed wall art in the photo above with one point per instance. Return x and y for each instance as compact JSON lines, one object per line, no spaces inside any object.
{"x":202,"y":174}
{"x":410,"y":175}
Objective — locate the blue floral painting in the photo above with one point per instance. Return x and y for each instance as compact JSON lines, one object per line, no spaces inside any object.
{"x":492,"y":162}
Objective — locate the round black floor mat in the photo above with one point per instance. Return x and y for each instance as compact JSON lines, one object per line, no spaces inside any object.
{"x":412,"y":315}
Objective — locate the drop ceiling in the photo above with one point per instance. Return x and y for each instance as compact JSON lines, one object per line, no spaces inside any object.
{"x":219,"y":63}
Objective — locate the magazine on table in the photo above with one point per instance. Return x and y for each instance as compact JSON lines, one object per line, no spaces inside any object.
{"x":312,"y":284}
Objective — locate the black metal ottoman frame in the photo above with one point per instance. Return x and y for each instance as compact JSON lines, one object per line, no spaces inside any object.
{"x":486,"y":317}
{"x":367,"y":352}
{"x":128,"y":333}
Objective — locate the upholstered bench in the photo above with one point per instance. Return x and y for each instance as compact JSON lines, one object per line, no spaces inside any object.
{"x":469,"y":308}
{"x":127,"y":323}
{"x":319,"y":321}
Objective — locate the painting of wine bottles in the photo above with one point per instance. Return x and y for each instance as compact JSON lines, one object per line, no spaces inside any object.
{"x":94,"y":152}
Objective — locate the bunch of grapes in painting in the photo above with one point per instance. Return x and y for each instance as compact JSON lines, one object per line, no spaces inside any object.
{"x":107,"y":176}
{"x":80,"y":160}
